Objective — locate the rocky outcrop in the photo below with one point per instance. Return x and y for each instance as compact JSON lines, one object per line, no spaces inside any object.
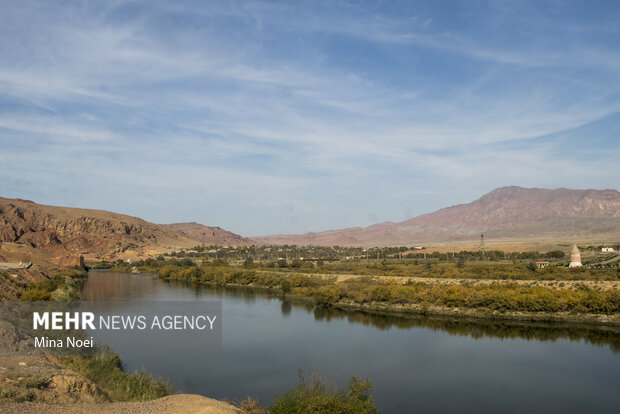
{"x":80,"y":230}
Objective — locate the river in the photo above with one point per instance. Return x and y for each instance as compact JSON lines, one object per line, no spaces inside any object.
{"x":423,"y":365}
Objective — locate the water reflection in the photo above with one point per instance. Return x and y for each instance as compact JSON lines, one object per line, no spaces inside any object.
{"x":474,"y":328}
{"x":286,"y":308}
{"x":111,"y":286}
{"x":480,"y":328}
{"x":121,"y":286}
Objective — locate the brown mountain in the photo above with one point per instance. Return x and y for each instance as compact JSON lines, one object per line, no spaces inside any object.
{"x":209,"y":235}
{"x":504,"y":213}
{"x":63,"y":230}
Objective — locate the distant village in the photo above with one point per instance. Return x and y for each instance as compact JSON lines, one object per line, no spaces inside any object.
{"x":298,"y":256}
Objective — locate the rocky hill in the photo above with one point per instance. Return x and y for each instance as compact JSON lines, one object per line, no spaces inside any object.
{"x":63,"y":230}
{"x":504,"y":213}
{"x":210,"y":235}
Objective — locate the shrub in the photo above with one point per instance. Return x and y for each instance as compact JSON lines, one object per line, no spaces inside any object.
{"x":35,"y":294}
{"x":317,"y":398}
{"x":326,"y":296}
{"x":26,"y":396}
{"x":6,"y":392}
{"x":106,"y":369}
{"x":34,"y":381}
{"x":250,"y":405}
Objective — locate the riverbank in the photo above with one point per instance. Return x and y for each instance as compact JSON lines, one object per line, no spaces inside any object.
{"x":572,"y":302}
{"x":88,"y":384}
{"x":417,"y":310}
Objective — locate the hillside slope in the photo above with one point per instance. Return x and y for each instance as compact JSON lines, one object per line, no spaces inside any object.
{"x":506,"y":212}
{"x":209,"y":235}
{"x":64,"y":230}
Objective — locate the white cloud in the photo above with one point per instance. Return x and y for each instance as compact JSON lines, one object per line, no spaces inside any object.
{"x":268,"y":108}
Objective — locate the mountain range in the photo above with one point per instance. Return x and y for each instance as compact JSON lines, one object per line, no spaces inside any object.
{"x":507,"y":213}
{"x":504,"y":213}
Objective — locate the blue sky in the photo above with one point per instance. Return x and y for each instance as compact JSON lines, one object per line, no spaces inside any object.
{"x":270,"y":117}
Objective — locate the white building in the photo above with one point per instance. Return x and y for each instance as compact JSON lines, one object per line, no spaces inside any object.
{"x":608,"y":249}
{"x":575,"y":257}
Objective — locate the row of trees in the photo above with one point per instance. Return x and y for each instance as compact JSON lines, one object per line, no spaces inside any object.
{"x":295,"y":256}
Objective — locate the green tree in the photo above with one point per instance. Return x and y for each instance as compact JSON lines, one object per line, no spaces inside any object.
{"x":286,"y":287}
{"x":249,"y":262}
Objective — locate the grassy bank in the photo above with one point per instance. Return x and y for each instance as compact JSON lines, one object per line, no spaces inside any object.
{"x":314,"y":396}
{"x":369,"y":293}
{"x":106,"y":370}
{"x":317,"y":395}
{"x":64,"y":286}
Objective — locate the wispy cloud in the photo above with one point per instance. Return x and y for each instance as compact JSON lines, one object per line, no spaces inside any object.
{"x":310,"y":115}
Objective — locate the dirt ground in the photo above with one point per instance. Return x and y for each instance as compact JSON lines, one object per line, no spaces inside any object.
{"x":38,"y":385}
{"x":173,"y":404}
{"x":555,"y":284}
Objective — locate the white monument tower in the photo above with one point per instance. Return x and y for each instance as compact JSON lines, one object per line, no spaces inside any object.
{"x":575,"y":257}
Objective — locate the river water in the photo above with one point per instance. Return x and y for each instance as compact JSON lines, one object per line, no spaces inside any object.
{"x":422,"y":365}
